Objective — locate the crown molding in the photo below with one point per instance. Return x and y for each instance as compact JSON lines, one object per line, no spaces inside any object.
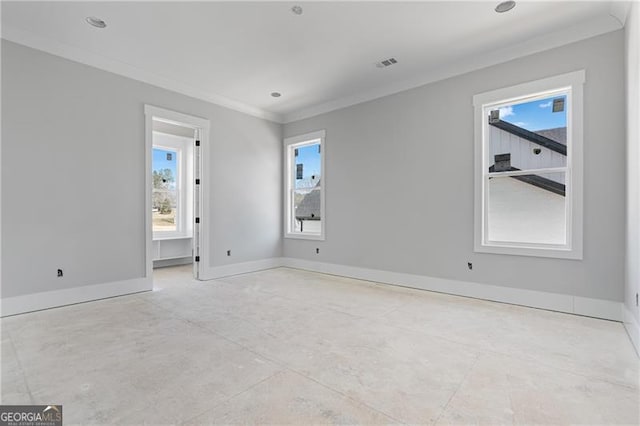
{"x":620,"y":10}
{"x":587,"y":29}
{"x":116,"y":67}
{"x":581,"y":31}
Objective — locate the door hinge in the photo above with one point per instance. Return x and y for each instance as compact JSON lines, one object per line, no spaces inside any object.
{"x":197,"y":220}
{"x":197,"y":181}
{"x":197,"y":258}
{"x":197,"y":143}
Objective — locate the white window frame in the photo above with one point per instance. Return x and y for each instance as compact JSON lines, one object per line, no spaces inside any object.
{"x":572,"y":83}
{"x":184,"y":174}
{"x":290,"y":144}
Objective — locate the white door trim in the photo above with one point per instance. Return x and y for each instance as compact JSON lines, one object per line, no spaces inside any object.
{"x":202,"y":125}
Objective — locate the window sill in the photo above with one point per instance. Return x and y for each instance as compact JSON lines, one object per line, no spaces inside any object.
{"x":172,"y":236}
{"x":315,"y":237}
{"x":555,"y":253}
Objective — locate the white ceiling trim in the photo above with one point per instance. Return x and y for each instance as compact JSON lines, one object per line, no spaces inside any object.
{"x":568,"y":35}
{"x":88,"y":58}
{"x":620,"y":10}
{"x":584,"y":30}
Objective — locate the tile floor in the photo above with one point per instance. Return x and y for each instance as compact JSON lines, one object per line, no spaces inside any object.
{"x":291,"y":347}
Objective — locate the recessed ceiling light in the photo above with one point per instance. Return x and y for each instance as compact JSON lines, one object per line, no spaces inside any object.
{"x":297,"y":9}
{"x":505,"y":6}
{"x":96,"y":22}
{"x":276,"y":94}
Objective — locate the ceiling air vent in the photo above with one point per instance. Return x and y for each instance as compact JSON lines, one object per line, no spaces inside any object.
{"x":386,"y":63}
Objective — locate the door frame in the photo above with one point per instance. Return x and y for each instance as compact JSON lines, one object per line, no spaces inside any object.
{"x":201,"y":165}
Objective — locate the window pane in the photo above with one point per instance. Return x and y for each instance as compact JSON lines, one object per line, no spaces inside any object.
{"x":527,"y":209}
{"x":306,"y":210}
{"x":528,"y":135}
{"x":307,"y":166}
{"x":165,"y":194}
{"x":306,"y":193}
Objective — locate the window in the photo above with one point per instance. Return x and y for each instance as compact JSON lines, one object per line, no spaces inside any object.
{"x":528,"y":191}
{"x":304,"y":191}
{"x":171,"y":201}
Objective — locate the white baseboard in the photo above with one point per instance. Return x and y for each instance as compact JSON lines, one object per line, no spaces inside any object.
{"x":163,"y":263}
{"x":212,"y":273}
{"x":632,"y":326}
{"x":597,"y":308}
{"x":69,"y":296}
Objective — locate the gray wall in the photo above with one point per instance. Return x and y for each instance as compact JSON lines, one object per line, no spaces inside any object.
{"x":399,"y":179}
{"x":73,"y":175}
{"x":632,"y":49}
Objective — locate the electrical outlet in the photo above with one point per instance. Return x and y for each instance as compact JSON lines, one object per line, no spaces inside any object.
{"x":228,"y":252}
{"x":470,"y":265}
{"x":60,"y":273}
{"x":317,"y":250}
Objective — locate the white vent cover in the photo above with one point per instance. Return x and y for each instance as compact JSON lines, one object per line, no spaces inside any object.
{"x":386,"y":63}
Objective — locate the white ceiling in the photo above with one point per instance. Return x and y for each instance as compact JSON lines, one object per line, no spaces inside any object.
{"x":237,"y":53}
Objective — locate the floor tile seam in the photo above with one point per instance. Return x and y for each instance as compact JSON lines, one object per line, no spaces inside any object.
{"x":457,"y":296}
{"x":276,"y":294}
{"x":203,"y":326}
{"x":312,"y":304}
{"x":285,"y":366}
{"x":350,"y":398}
{"x":455,"y":392}
{"x":557,"y":368}
{"x":595,"y":378}
{"x":277,"y":363}
{"x":22,"y":371}
{"x":287,"y":298}
{"x":318,"y":305}
{"x":173,"y":313}
{"x":469,"y":346}
{"x":325,"y":307}
{"x":394,"y":309}
{"x":520,"y":358}
{"x":378,"y":285}
{"x":235,"y":395}
{"x":222,"y":336}
{"x":560,"y":369}
{"x":358,"y":282}
{"x":476,"y":349}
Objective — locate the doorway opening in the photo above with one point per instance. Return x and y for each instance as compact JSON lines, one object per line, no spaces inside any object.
{"x":174,"y":143}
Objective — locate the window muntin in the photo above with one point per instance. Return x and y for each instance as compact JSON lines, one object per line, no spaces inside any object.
{"x":529,"y":165}
{"x":304,"y":206}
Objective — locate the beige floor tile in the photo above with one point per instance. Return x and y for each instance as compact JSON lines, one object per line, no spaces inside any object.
{"x":504,"y":390}
{"x":13,"y":385}
{"x":354,"y":297}
{"x":406,"y":375}
{"x":288,"y":346}
{"x":289,"y":398}
{"x":583,"y":345}
{"x":145,"y":367}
